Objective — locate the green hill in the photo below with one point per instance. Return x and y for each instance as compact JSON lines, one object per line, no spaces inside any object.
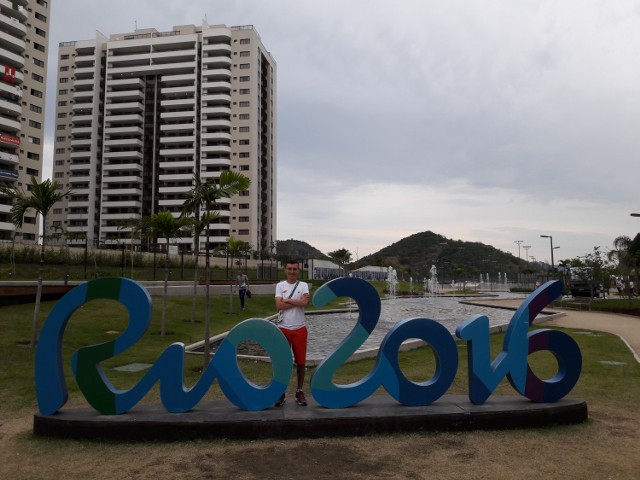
{"x":417,"y":253}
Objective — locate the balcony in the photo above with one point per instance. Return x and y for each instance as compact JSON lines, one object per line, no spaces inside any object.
{"x":178,"y":139}
{"x":122,"y":179}
{"x":225,"y":149}
{"x":9,"y":158}
{"x":131,"y":130}
{"x":124,"y":107}
{"x":226,"y":136}
{"x":129,"y":154}
{"x":177,"y":127}
{"x":124,"y":142}
{"x":176,"y":165}
{"x":218,"y":122}
{"x":173,"y":152}
{"x":10,"y":175}
{"x":180,"y":115}
{"x":114,"y":119}
{"x":115,"y":167}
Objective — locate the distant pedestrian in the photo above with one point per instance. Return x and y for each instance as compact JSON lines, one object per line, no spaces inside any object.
{"x":242,"y":282}
{"x":619,"y":286}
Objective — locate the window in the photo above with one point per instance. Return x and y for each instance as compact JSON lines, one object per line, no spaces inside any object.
{"x":35,"y":108}
{"x":245,"y":91}
{"x":244,"y":168}
{"x":57,"y":211}
{"x":42,"y":2}
{"x":34,"y":124}
{"x":243,"y":116}
{"x":37,"y":78}
{"x":243,"y":219}
{"x":32,"y":156}
{"x":246,"y":53}
{"x":243,"y":155}
{"x":62,"y":115}
{"x":59,"y":163}
{"x":63,"y":91}
{"x":31,"y":172}
{"x":39,"y":47}
{"x":59,"y":151}
{"x":61,"y":139}
{"x":64,"y":69}
{"x":36,"y":93}
{"x":245,"y":66}
{"x":245,"y":104}
{"x":243,"y":129}
{"x":41,"y":32}
{"x":62,"y":103}
{"x":61,"y":127}
{"x":243,"y":232}
{"x":64,"y":57}
{"x":34,"y":140}
{"x":244,"y":206}
{"x":244,"y":142}
{"x":59,"y":175}
{"x":64,"y":80}
{"x":244,"y":193}
{"x":245,"y":79}
{"x":41,"y":17}
{"x":38,"y":62}
{"x":245,"y":41}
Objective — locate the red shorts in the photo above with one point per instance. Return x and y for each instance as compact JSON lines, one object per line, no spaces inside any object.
{"x":298,"y":341}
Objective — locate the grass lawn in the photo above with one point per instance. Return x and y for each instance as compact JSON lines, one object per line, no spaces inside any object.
{"x":604,"y":447}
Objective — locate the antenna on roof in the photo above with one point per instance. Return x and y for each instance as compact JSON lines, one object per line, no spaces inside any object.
{"x":135,"y":22}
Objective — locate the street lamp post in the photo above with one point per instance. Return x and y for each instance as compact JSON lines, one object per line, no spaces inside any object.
{"x":519,"y":242}
{"x":551,"y":242}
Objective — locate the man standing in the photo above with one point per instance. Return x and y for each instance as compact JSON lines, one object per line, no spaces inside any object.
{"x":292,"y":296}
{"x":242,"y":282}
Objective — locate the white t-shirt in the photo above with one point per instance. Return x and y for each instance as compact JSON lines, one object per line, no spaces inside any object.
{"x":293,"y":318}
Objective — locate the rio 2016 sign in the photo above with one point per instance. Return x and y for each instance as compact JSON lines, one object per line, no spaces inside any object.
{"x":168,"y":370}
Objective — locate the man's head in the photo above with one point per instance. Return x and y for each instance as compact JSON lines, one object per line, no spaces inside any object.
{"x":291,"y":269}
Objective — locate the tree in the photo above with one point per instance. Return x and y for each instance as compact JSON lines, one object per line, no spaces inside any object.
{"x":342,"y":257}
{"x":620,"y":254}
{"x":41,"y":198}
{"x":205,"y":195}
{"x":165,"y":225}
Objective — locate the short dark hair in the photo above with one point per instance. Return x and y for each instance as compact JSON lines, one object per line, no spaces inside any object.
{"x":292,"y":261}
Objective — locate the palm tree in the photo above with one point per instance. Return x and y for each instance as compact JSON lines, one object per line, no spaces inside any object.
{"x":165,"y":225}
{"x":204,"y":196}
{"x":342,"y":257}
{"x":41,"y":198}
{"x":622,"y":256}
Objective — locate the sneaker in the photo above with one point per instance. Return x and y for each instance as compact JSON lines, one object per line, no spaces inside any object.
{"x":300,"y":399}
{"x":280,"y":401}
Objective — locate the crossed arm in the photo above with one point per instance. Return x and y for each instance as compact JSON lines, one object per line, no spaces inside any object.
{"x":287,"y":303}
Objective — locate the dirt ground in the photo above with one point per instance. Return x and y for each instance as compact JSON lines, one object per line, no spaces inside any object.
{"x":603,"y":448}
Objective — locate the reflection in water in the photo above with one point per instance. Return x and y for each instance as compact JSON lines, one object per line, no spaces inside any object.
{"x":326,"y":331}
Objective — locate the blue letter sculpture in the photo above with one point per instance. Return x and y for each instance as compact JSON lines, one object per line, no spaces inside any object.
{"x":484,"y":376}
{"x":168,"y":370}
{"x":51,"y":388}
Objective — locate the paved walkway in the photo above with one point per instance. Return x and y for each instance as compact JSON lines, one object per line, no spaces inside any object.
{"x":627,"y":327}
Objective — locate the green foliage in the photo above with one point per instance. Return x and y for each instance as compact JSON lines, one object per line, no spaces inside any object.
{"x":416,"y":254}
{"x":296,"y":249}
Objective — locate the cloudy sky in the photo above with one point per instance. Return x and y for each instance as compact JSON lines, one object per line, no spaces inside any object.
{"x":480,"y":120}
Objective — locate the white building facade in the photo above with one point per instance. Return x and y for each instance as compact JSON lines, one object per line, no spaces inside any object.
{"x":139,"y":113}
{"x":24,"y":46}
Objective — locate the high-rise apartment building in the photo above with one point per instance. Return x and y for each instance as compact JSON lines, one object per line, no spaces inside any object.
{"x":24,"y":45}
{"x":139,"y":113}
